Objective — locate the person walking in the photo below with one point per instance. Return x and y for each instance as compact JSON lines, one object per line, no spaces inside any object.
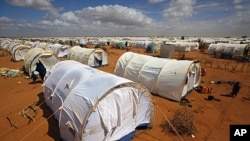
{"x":236,"y":89}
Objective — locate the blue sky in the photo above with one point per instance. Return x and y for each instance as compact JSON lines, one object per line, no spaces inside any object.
{"x":47,"y":18}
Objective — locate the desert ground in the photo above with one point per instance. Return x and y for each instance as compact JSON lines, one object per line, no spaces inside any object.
{"x":211,"y":118}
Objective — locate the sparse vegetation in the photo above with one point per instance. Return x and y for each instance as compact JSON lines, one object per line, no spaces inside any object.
{"x":182,"y":123}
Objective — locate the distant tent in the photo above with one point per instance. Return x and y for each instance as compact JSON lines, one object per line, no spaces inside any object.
{"x":37,"y":57}
{"x":19,"y":52}
{"x":87,"y":108}
{"x":63,"y":51}
{"x":121,"y":45}
{"x":60,"y":50}
{"x":45,"y":46}
{"x":55,"y":48}
{"x":167,"y":50}
{"x":88,"y":56}
{"x":181,"y":46}
{"x":5,"y":43}
{"x":11,"y":46}
{"x":211,"y":49}
{"x":142,"y":44}
{"x":226,"y":50}
{"x":35,"y":44}
{"x":168,"y":78}
{"x":152,"y":47}
{"x":194,"y":45}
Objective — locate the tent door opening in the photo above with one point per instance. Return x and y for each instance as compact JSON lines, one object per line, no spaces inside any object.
{"x":98,"y":58}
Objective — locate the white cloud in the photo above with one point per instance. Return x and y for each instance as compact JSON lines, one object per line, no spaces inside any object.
{"x":208,"y":6}
{"x":243,"y":17}
{"x":179,"y":9}
{"x":115,"y":14}
{"x":36,"y":4}
{"x":239,"y":7}
{"x":117,"y":20}
{"x":155,"y":1}
{"x":43,"y":5}
{"x":237,"y":1}
{"x":71,"y":18}
{"x":5,"y":19}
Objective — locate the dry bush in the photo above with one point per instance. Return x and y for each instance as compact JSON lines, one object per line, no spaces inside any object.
{"x":182,"y":123}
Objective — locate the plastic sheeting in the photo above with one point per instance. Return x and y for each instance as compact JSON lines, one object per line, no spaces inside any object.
{"x":168,"y":78}
{"x":19,"y":52}
{"x":88,"y":56}
{"x":227,"y":49}
{"x":88,"y":108}
{"x":34,"y":55}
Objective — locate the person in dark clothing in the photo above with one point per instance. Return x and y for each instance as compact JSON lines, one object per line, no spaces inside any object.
{"x":236,"y":89}
{"x":40,"y":70}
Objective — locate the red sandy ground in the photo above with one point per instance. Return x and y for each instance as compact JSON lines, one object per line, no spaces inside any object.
{"x":211,"y":118}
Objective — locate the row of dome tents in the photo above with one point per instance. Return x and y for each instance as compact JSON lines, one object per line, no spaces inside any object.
{"x":227,"y":50}
{"x":16,"y":49}
{"x":19,"y":50}
{"x":169,"y":78}
{"x":88,"y":109}
{"x":46,"y":57}
{"x":168,"y":48}
{"x":58,"y":49}
{"x":81,"y":107}
{"x":36,"y":57}
{"x":97,"y":57}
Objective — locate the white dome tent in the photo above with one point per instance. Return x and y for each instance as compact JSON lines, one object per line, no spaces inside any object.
{"x":194,"y":45}
{"x":89,"y":109}
{"x":211,"y":49}
{"x":11,"y":46}
{"x":142,"y":44}
{"x":5,"y":43}
{"x":180,"y":46}
{"x":88,"y":56}
{"x":221,"y":50}
{"x":60,"y":50}
{"x":169,"y":78}
{"x":63,"y":51}
{"x":19,"y":52}
{"x":38,"y":57}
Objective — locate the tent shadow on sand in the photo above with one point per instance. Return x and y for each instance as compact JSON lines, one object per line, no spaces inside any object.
{"x":53,"y":130}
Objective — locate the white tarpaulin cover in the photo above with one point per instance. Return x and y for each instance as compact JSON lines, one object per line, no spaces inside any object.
{"x":19,"y":52}
{"x":35,"y":55}
{"x":88,"y":56}
{"x":11,"y":46}
{"x":168,"y":78}
{"x":60,"y":50}
{"x":180,"y":46}
{"x":227,"y":48}
{"x":91,"y":109}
